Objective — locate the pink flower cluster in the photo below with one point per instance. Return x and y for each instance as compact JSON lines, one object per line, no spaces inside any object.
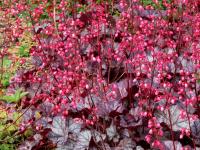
{"x":97,"y":62}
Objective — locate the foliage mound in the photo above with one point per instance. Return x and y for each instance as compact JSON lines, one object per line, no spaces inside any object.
{"x":120,"y":74}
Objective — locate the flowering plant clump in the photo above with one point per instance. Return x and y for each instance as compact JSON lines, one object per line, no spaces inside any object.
{"x":120,"y":74}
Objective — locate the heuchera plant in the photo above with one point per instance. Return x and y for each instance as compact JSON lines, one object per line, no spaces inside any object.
{"x":114,"y":73}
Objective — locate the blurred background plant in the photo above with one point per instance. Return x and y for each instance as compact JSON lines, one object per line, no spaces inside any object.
{"x":14,"y":54}
{"x":10,"y":136}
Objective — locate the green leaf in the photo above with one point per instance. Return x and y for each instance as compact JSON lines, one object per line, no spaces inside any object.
{"x":44,"y":16}
{"x":24,"y":50}
{"x":6,"y":62}
{"x":5,"y":82}
{"x":12,"y":128}
{"x":8,"y":98}
{"x":28,"y":133}
{"x":11,"y":140}
{"x":23,"y":94}
{"x":3,"y":114}
{"x":7,"y":147}
{"x":98,"y":1}
{"x":17,"y":95}
{"x":6,"y":78}
{"x":14,"y":98}
{"x":150,"y":2}
{"x":81,"y":9}
{"x":2,"y":132}
{"x":15,"y":116}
